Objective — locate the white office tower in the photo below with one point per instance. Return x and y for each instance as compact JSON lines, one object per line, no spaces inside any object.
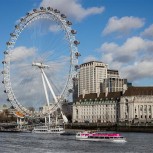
{"x":113,"y":82}
{"x":91,"y":77}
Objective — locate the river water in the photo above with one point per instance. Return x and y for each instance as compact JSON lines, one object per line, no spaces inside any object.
{"x":51,"y":143}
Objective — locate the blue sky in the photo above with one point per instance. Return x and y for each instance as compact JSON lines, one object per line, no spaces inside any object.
{"x":117,"y":32}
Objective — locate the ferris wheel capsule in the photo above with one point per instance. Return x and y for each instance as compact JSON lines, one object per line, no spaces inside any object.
{"x":3,"y":72}
{"x":16,"y":26}
{"x":63,"y":15}
{"x":73,"y":31}
{"x":77,"y":67}
{"x":4,"y":62}
{"x":12,"y":34}
{"x":69,"y":23}
{"x":5,"y":91}
{"x":70,"y":90}
{"x":9,"y":43}
{"x":21,"y":19}
{"x":5,"y":52}
{"x":28,"y":13}
{"x":76,"y":42}
{"x":34,"y":10}
{"x":42,"y":8}
{"x":8,"y":99}
{"x":50,"y":9}
{"x":77,"y":54}
{"x":56,"y":11}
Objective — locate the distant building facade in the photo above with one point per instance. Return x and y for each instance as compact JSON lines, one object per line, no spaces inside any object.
{"x":95,"y":108}
{"x":136,"y":106}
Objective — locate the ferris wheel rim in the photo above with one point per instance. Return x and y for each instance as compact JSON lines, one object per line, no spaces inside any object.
{"x":14,"y":37}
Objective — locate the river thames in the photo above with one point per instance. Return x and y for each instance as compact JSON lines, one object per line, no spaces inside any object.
{"x":51,"y":143}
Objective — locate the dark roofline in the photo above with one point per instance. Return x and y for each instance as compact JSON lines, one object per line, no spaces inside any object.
{"x":112,"y":70}
{"x":91,"y":62}
{"x":138,"y":91}
{"x":93,"y":96}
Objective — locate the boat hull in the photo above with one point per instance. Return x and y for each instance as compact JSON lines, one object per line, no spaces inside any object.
{"x":103,"y":140}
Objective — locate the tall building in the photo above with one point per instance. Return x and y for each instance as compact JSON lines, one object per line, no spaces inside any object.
{"x":91,"y":75}
{"x":96,"y":77}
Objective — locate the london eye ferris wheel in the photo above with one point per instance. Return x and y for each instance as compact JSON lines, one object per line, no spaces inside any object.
{"x":40,"y":61}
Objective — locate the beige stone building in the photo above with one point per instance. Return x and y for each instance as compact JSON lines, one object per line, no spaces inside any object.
{"x":95,"y":108}
{"x":136,"y":105}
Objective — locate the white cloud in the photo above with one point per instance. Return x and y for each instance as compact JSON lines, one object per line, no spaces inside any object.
{"x":139,"y":70}
{"x":89,"y":58}
{"x":21,"y":53}
{"x":72,"y":8}
{"x":132,"y":58}
{"x":124,"y":24}
{"x":54,"y":28}
{"x":127,"y":51}
{"x":148,"y":32}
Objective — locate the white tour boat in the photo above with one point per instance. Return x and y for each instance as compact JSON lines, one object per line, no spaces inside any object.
{"x":97,"y":136}
{"x":48,"y":129}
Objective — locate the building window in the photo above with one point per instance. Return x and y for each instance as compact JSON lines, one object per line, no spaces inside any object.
{"x":141,"y":108}
{"x":145,"y":109}
{"x":149,"y":109}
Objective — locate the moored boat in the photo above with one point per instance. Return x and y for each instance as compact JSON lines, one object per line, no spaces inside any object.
{"x":97,"y":136}
{"x":48,"y":129}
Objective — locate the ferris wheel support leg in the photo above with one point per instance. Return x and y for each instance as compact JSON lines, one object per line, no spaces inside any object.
{"x":49,"y":85}
{"x":45,"y":89}
{"x":55,"y":98}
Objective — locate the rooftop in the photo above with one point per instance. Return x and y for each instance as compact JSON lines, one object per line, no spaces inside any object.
{"x":131,"y":91}
{"x":135,"y":91}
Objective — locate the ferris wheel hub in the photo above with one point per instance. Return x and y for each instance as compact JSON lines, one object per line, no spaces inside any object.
{"x":40,"y":65}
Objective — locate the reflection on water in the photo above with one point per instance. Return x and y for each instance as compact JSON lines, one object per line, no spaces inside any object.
{"x":51,"y":143}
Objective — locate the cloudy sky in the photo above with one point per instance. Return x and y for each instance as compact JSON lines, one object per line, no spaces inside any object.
{"x":117,"y":32}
